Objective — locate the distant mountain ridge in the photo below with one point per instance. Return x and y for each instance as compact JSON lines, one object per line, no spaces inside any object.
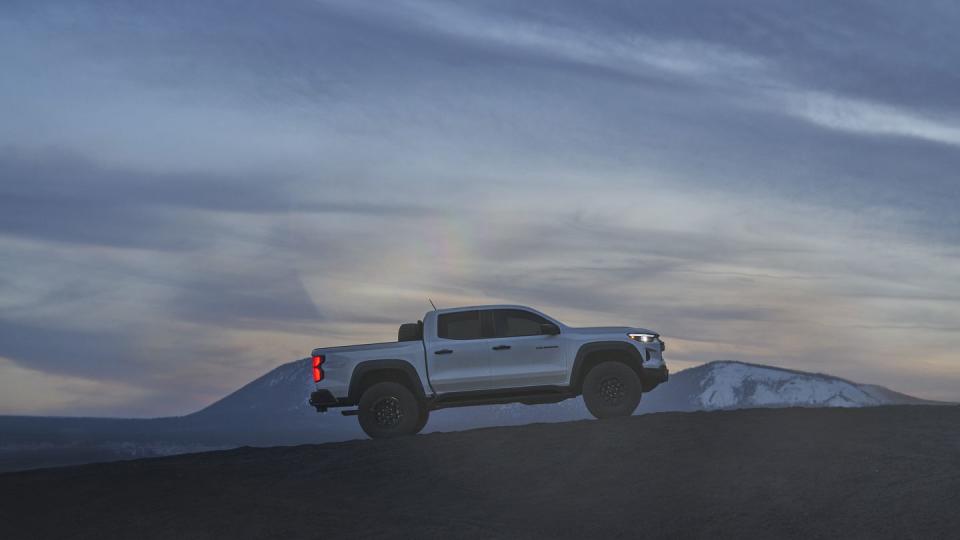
{"x":273,"y":410}
{"x":721,"y":384}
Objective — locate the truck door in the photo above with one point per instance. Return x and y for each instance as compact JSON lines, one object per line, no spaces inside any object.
{"x":458,"y":358}
{"x":522,"y":355}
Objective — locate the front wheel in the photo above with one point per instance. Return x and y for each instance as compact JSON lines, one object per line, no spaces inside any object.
{"x":389,"y":409}
{"x":611,"y":389}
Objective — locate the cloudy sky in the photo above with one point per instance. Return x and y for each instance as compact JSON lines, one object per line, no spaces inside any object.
{"x":194,"y":192}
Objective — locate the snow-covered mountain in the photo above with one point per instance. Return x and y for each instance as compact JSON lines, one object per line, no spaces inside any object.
{"x":729,"y":384}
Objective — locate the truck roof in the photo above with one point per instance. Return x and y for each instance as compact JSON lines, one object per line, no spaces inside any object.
{"x":487,"y":306}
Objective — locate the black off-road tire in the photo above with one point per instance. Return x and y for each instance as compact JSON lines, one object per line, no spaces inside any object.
{"x":424,"y":418}
{"x":611,"y":389}
{"x":389,"y":409}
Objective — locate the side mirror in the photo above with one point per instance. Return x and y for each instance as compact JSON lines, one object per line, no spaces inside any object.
{"x":549,"y":329}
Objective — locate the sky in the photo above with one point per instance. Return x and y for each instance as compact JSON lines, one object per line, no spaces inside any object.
{"x":195,"y":192}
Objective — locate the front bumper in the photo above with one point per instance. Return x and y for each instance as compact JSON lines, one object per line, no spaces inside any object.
{"x":653,"y":377}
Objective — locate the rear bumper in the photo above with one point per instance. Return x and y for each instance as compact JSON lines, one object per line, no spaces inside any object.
{"x":653,"y":377}
{"x":321,"y":400}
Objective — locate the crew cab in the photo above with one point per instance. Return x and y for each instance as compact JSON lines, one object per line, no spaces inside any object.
{"x":481,"y":355}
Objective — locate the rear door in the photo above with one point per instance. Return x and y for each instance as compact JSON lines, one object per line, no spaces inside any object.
{"x":459,"y":357}
{"x":521,"y":355}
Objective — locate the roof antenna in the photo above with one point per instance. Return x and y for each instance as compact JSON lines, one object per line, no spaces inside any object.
{"x":431,"y":303}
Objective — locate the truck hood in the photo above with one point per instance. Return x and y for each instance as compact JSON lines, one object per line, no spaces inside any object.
{"x":618,"y":330}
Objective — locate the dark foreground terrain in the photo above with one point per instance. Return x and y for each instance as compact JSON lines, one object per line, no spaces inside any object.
{"x":891,"y":472}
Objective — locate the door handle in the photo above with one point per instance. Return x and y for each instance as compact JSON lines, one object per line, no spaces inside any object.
{"x":501,"y":347}
{"x":443,"y":351}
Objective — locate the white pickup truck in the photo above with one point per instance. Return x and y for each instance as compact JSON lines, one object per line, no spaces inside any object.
{"x":483,"y":355}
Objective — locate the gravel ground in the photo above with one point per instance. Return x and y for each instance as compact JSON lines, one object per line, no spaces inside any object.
{"x":887,"y":472}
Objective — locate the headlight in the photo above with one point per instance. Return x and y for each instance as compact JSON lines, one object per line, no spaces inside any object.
{"x":644,"y":338}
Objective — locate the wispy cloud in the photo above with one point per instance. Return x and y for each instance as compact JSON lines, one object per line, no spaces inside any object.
{"x":865,"y":117}
{"x":626,"y":52}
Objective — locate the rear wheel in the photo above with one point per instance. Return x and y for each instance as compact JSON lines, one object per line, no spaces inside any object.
{"x":389,"y":409}
{"x":611,"y":389}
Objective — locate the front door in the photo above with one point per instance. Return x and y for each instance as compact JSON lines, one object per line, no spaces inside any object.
{"x":521,"y":355}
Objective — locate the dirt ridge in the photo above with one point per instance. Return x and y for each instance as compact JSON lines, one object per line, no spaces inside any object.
{"x":883,"y":472}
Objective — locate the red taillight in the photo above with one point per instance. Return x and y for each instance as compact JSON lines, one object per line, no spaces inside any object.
{"x":317,"y":370}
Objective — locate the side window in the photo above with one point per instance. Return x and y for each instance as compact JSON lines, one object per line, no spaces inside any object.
{"x":459,"y":325}
{"x":516,"y":322}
